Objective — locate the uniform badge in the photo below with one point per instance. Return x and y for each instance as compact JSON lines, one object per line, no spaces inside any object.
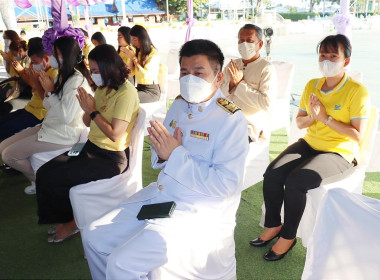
{"x":200,"y":135}
{"x":173,"y":124}
{"x":227,"y":105}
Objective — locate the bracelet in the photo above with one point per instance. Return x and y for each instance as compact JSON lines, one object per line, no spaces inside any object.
{"x":328,"y":120}
{"x":93,"y":114}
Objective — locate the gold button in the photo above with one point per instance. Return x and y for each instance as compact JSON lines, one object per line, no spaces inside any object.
{"x":160,"y":187}
{"x":200,"y":109}
{"x":190,"y":116}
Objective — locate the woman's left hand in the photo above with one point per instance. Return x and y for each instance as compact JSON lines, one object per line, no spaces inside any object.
{"x":17,"y":66}
{"x":46,"y":81}
{"x":317,"y":110}
{"x":86,"y":100}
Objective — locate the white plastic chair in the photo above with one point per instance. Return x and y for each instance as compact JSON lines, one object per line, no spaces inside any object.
{"x":91,"y":200}
{"x":157,"y":110}
{"x":39,"y":159}
{"x":352,"y":183}
{"x":280,"y":106}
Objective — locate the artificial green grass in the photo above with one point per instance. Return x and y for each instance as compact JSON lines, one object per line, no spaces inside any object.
{"x":25,"y":254}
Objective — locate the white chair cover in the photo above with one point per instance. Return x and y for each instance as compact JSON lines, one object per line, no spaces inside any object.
{"x":157,"y":110}
{"x":345,"y":242}
{"x":352,"y":183}
{"x":39,"y":159}
{"x":91,"y":200}
{"x":280,"y":106}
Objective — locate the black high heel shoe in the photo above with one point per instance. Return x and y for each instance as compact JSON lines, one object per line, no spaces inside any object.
{"x":272,"y":256}
{"x":258,"y":242}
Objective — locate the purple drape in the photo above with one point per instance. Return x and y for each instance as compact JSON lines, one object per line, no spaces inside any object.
{"x":190,"y":21}
{"x":23,"y":4}
{"x":342,"y":20}
{"x":61,"y":27}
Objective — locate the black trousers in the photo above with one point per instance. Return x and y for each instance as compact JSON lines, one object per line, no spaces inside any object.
{"x":55,"y":179}
{"x":148,"y":93}
{"x":296,"y":170}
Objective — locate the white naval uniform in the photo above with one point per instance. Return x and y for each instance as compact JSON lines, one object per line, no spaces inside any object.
{"x":254,"y":94}
{"x":204,"y":177}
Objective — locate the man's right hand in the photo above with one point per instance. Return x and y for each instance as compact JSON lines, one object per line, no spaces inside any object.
{"x":236,"y":75}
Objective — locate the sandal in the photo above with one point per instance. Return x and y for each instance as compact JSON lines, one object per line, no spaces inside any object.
{"x":54,"y":239}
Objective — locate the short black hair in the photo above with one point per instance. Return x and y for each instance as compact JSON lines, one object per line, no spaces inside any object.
{"x":22,"y":32}
{"x":204,"y":47}
{"x":35,"y":47}
{"x":85,"y":33}
{"x":98,"y":36}
{"x":259,"y":31}
{"x":332,"y":43}
{"x":112,"y":68}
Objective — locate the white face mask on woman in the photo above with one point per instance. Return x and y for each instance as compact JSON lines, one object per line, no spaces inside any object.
{"x":54,"y":63}
{"x":97,"y":78}
{"x":329,"y":68}
{"x":247,"y":50}
{"x":194,"y":89}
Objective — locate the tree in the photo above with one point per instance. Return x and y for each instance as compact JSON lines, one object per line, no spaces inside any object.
{"x":312,"y":3}
{"x":179,"y":6}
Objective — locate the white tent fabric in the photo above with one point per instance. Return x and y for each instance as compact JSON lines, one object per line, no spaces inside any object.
{"x":345,"y":242}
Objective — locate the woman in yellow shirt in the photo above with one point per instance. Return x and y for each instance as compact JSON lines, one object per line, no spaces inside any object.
{"x":334,"y":111}
{"x":124,"y":42}
{"x":110,"y":115}
{"x":146,"y":65}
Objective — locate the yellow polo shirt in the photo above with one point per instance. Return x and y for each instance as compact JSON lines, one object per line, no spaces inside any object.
{"x":35,"y":105}
{"x":148,"y":75}
{"x":347,"y":101}
{"x":122,"y":104}
{"x":87,"y":48}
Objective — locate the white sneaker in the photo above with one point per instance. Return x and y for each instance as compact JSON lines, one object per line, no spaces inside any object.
{"x":31,"y":189}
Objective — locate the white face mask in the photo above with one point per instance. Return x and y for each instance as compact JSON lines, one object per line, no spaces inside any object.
{"x":329,"y":68}
{"x":247,"y":50}
{"x":194,"y":89}
{"x":54,"y":63}
{"x":18,"y":57}
{"x":38,"y":67}
{"x":97,"y":78}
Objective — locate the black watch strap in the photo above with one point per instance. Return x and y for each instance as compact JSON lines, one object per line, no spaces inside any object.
{"x":93,"y":114}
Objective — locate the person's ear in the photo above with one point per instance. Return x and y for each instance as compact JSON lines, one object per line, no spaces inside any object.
{"x":261,"y":43}
{"x":219,"y":79}
{"x":347,"y":61}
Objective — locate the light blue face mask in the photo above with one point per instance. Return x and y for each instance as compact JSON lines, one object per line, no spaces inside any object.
{"x":97,"y":78}
{"x":54,"y":63}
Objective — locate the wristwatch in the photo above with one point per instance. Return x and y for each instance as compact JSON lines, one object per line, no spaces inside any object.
{"x":328,"y":120}
{"x":93,"y":114}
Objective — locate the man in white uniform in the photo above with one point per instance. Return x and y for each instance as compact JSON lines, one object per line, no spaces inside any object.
{"x":250,"y":81}
{"x":201,"y":149}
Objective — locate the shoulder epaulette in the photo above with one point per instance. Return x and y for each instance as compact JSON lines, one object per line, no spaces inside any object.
{"x":179,"y":97}
{"x":227,"y":105}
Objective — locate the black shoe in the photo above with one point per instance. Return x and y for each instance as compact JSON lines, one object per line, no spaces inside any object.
{"x":272,"y":256}
{"x":261,"y":243}
{"x":3,"y":166}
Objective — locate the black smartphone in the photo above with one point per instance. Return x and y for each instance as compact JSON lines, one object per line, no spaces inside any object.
{"x":156,"y":210}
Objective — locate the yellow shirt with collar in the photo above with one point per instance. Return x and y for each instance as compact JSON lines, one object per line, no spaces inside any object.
{"x":122,"y":104}
{"x":148,"y":74}
{"x":347,"y":101}
{"x":87,"y":48}
{"x":35,"y":105}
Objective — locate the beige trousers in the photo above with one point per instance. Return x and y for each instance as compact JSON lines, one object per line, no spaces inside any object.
{"x":16,"y":150}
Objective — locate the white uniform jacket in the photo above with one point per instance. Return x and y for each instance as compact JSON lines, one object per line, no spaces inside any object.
{"x":204,"y":177}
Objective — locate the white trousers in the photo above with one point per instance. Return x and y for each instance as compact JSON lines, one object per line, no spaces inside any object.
{"x":118,"y":246}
